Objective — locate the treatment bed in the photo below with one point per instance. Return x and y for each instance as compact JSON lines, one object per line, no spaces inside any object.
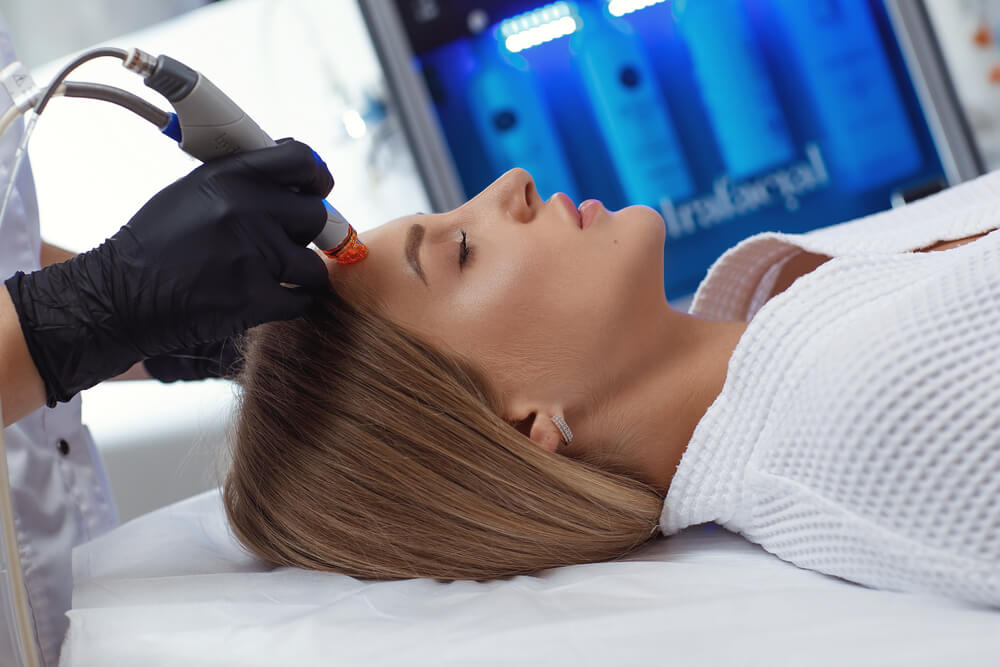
{"x":173,"y":587}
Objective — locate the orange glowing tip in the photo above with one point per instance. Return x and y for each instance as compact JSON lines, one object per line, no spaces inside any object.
{"x":350,"y":250}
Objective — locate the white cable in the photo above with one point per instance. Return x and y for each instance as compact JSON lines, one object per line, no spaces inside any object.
{"x":15,"y":111}
{"x":22,"y":150}
{"x":17,"y":595}
{"x":16,"y":79}
{"x":21,"y":87}
{"x":9,"y":116}
{"x":24,"y":95}
{"x":22,"y":91}
{"x":95,"y":91}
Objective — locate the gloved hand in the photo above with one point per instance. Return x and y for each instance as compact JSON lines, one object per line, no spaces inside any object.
{"x":200,"y":262}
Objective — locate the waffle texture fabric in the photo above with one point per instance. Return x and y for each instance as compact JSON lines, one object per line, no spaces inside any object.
{"x":858,"y":429}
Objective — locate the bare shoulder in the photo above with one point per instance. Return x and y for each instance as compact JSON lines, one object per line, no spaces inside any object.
{"x":804,"y":262}
{"x":794,"y":268}
{"x":944,"y":245}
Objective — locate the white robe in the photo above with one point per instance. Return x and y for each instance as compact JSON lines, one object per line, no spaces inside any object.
{"x":60,"y":500}
{"x":858,"y":429}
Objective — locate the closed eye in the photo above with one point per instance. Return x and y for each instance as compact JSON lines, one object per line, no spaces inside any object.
{"x":464,"y":249}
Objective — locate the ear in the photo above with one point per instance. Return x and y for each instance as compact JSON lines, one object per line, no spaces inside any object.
{"x":538,"y":426}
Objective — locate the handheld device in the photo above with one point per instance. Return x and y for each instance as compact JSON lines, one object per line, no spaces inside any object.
{"x":208,"y":124}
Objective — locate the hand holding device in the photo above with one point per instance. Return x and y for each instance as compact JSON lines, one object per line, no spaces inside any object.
{"x":203,"y":260}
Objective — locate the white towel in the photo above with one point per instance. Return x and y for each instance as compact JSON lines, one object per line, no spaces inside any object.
{"x":858,"y":430}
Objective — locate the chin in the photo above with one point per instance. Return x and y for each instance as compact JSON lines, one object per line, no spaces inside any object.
{"x":646,"y":235}
{"x":648,"y":228}
{"x":646,"y":221}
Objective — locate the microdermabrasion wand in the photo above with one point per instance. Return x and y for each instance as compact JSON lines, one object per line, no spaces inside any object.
{"x":208,"y":124}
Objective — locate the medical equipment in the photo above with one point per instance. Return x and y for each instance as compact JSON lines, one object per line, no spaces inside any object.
{"x":606,"y":71}
{"x":206,"y":123}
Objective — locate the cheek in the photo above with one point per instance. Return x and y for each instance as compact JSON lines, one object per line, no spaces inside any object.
{"x":506,"y":307}
{"x":623,"y":285}
{"x":489,"y":288}
{"x":503,"y":311}
{"x":535,"y":300}
{"x":563,"y":294}
{"x":505,"y":274}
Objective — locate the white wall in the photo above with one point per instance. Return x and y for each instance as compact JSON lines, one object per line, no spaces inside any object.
{"x":40,"y":37}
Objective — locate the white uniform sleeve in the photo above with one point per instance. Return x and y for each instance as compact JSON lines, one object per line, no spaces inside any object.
{"x":61,"y":495}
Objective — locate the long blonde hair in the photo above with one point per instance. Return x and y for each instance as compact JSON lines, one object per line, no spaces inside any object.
{"x":361,"y":449}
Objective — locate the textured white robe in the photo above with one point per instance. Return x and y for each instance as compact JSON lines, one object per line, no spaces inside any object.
{"x":858,"y":429}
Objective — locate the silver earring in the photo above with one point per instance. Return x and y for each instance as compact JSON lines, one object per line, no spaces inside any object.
{"x":563,"y":427}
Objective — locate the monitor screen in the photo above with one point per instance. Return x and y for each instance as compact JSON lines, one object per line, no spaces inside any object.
{"x":729,"y":117}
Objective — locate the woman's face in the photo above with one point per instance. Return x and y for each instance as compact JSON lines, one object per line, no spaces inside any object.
{"x":538,"y":295}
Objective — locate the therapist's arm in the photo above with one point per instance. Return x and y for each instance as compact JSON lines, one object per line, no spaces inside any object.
{"x":21,"y":388}
{"x":53,"y":254}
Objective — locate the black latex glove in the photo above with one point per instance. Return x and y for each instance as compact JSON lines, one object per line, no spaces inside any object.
{"x":200,"y":262}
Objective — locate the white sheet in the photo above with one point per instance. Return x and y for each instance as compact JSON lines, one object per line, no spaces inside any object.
{"x":174,"y":588}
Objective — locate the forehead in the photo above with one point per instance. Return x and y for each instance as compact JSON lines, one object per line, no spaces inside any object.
{"x":385,"y":274}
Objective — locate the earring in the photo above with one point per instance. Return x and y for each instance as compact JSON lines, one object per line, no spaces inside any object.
{"x":563,"y":427}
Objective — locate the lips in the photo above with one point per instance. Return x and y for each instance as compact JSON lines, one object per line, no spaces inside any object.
{"x":585,"y":214}
{"x":568,"y":204}
{"x":588,"y":212}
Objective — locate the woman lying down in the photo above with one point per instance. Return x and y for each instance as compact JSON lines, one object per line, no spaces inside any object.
{"x":504,"y":388}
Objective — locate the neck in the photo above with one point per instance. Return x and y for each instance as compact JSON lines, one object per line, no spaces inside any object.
{"x":675,"y":374}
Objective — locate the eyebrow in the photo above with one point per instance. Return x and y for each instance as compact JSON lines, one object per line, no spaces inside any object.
{"x":414,"y":237}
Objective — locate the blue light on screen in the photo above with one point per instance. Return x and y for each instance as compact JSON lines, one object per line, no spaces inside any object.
{"x":539,"y":26}
{"x":623,"y":7}
{"x":730,"y":117}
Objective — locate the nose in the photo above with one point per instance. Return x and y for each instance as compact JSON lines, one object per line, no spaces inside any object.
{"x":517,"y":194}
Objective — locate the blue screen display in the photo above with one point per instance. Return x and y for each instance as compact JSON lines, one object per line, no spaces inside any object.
{"x":730,"y":117}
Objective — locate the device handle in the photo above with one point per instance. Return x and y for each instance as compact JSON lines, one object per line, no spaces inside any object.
{"x":213,"y":126}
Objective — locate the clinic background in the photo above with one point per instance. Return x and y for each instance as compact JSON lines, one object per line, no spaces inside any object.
{"x":308,"y":69}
